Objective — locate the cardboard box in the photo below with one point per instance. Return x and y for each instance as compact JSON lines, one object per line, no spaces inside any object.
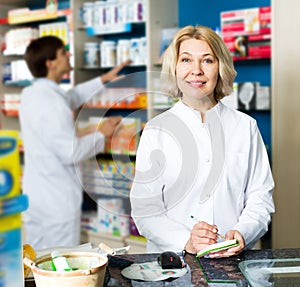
{"x":263,"y":99}
{"x":246,"y":21}
{"x":245,"y":47}
{"x":247,"y":33}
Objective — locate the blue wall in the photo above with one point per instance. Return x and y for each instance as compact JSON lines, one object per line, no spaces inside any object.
{"x":205,"y":12}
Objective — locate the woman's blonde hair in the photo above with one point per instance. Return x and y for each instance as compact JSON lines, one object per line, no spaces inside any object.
{"x":227,"y":72}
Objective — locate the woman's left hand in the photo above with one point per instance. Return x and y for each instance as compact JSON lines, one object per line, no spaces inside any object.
{"x":231,"y":234}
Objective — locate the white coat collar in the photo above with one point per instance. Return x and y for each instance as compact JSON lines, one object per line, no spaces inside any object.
{"x":45,"y":81}
{"x":181,"y":108}
{"x":51,"y":84}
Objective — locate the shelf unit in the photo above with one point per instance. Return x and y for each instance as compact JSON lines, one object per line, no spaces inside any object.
{"x":34,"y":17}
{"x":159,"y":15}
{"x":6,"y":121}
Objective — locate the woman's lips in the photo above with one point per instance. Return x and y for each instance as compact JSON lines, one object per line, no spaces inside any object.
{"x":197,"y":84}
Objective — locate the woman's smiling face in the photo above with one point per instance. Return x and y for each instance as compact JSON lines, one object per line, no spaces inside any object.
{"x":197,"y":70}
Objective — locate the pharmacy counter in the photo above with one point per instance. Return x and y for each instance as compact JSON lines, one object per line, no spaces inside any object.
{"x":263,"y":268}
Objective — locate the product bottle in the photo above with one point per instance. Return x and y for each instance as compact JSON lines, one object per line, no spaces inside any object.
{"x":51,"y":6}
{"x":59,"y":262}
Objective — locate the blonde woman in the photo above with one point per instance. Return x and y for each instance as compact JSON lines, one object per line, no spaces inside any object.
{"x":201,"y":159}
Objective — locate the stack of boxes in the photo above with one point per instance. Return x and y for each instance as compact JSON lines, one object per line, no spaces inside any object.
{"x":125,"y":141}
{"x":11,"y":104}
{"x":247,"y":32}
{"x":12,"y":203}
{"x":120,"y":98}
{"x":112,"y":180}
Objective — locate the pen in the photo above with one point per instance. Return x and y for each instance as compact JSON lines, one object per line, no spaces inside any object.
{"x":220,"y":235}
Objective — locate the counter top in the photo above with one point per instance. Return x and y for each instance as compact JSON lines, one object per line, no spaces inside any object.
{"x":222,"y":269}
{"x":222,"y":272}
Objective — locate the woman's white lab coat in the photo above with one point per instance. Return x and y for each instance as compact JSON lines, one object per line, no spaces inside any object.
{"x":216,"y":171}
{"x":52,"y":153}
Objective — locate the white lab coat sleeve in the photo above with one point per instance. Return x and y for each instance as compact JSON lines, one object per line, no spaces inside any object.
{"x":61,"y":137}
{"x":83,"y":92}
{"x":258,"y":201}
{"x":147,"y":200}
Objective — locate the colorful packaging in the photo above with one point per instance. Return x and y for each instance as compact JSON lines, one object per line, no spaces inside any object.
{"x":9,"y":165}
{"x":247,"y":32}
{"x":12,"y":203}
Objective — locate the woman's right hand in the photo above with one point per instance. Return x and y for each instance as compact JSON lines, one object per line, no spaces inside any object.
{"x":110,"y":126}
{"x":202,"y":235}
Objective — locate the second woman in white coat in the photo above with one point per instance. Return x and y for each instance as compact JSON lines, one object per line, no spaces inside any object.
{"x":52,"y":148}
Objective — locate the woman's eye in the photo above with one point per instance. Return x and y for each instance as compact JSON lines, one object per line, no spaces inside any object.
{"x":208,"y":61}
{"x":185,"y":60}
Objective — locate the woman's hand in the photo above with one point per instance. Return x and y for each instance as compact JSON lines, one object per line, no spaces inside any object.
{"x":231,"y":234}
{"x":110,"y":126}
{"x":202,"y":235}
{"x":113,"y":73}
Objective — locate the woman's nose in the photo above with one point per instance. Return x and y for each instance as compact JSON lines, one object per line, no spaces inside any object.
{"x":197,"y":69}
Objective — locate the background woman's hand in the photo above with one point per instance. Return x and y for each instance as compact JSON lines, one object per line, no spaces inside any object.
{"x":110,"y":126}
{"x":113,"y":74}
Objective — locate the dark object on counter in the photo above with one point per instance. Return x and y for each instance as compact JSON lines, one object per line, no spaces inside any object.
{"x":170,"y":260}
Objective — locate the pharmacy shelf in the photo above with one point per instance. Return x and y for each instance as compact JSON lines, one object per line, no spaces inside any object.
{"x":10,"y":113}
{"x":35,"y":16}
{"x":17,"y":17}
{"x":25,"y":83}
{"x":112,"y":29}
{"x":122,"y":157}
{"x":25,"y":15}
{"x":108,"y":68}
{"x":20,"y":83}
{"x":105,"y":195}
{"x":159,"y":15}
